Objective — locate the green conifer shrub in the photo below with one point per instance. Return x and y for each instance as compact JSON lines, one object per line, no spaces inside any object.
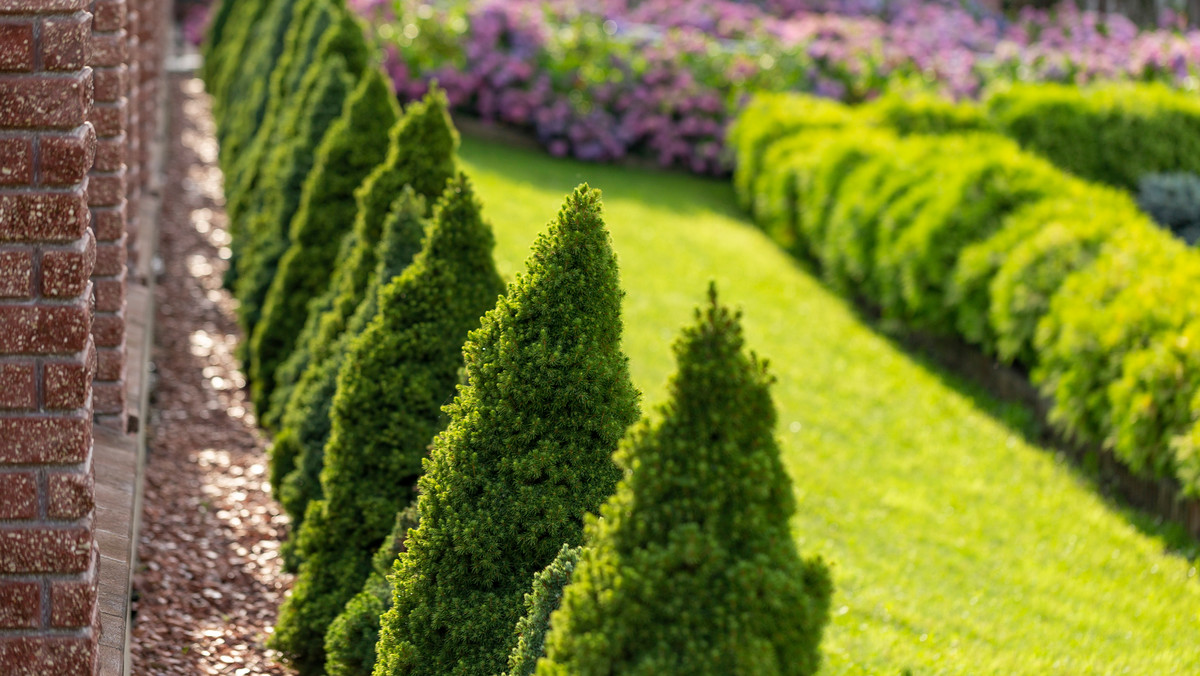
{"x":543,"y":600}
{"x":387,"y":408}
{"x":691,"y":567}
{"x":219,"y":65}
{"x":528,"y":452}
{"x":307,"y":427}
{"x":350,"y":641}
{"x":324,"y":94}
{"x":349,"y":152}
{"x":421,"y":153}
{"x":216,"y":36}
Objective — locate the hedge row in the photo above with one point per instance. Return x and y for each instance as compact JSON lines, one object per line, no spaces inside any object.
{"x":967,"y":234}
{"x":362,"y":267}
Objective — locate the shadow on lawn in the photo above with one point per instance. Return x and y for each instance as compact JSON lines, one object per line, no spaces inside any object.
{"x":1000,"y":391}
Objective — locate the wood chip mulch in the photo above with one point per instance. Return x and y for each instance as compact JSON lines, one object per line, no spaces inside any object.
{"x":208,"y":582}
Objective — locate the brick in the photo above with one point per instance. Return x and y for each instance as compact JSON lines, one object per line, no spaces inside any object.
{"x":66,"y":385}
{"x":108,"y":398}
{"x":110,"y":118}
{"x":110,"y":83}
{"x":48,"y":655}
{"x":66,"y":41}
{"x":18,"y":497}
{"x":67,"y":158}
{"x":109,"y":50}
{"x":45,"y":329}
{"x":110,"y":154}
{"x":31,"y":441}
{"x":41,"y":6}
{"x":16,"y":46}
{"x":110,"y":363}
{"x":109,"y":222}
{"x":17,"y":388}
{"x":109,"y":15}
{"x":16,"y":273}
{"x":106,"y":189}
{"x":108,"y":330}
{"x":110,"y":258}
{"x":65,"y":272}
{"x":57,"y":101}
{"x":17,"y":168}
{"x":45,"y":550}
{"x":72,"y":603}
{"x":44,"y":216}
{"x":110,"y":293}
{"x":71,"y":495}
{"x":20,"y":605}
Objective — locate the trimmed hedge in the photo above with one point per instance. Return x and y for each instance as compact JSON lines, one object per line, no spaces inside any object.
{"x":1112,"y":133}
{"x":387,"y":408}
{"x":307,"y":427}
{"x":527,"y":453}
{"x":544,"y":599}
{"x":420,"y":155}
{"x":692,"y":567}
{"x":967,"y":234}
{"x":347,"y":155}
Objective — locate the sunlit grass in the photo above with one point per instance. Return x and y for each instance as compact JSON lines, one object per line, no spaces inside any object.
{"x":957,"y":547}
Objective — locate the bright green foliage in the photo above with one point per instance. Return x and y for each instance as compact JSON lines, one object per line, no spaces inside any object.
{"x":350,"y":641}
{"x":223,"y":60}
{"x":387,"y":408}
{"x":421,"y":154}
{"x":215,"y":37}
{"x":544,"y":599}
{"x":691,"y":568}
{"x":924,"y":113}
{"x":1123,"y":303}
{"x":240,"y":110}
{"x":527,"y":453}
{"x":307,"y":427}
{"x":842,"y":152}
{"x":324,"y":93}
{"x":349,"y":152}
{"x":1185,"y":450}
{"x":1112,"y":133}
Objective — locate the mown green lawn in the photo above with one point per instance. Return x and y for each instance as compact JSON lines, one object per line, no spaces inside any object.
{"x":957,"y":547}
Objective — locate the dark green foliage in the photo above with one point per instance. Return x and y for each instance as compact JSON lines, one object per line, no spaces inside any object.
{"x":306,"y":427}
{"x":539,"y":604}
{"x":1113,"y":133}
{"x":387,"y":408}
{"x":223,"y":60}
{"x":1173,"y":201}
{"x":215,"y":37}
{"x":350,"y":641}
{"x":527,"y":453}
{"x":421,"y":153}
{"x":692,"y":568}
{"x":349,"y":152}
{"x":321,"y":100}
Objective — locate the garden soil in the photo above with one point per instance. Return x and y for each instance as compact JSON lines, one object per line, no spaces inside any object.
{"x":209,"y":577}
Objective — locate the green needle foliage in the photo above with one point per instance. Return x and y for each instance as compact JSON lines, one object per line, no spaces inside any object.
{"x":227,"y":38}
{"x":240,"y":110}
{"x":691,"y":567}
{"x":421,"y":153}
{"x":544,"y":599}
{"x":527,"y":453}
{"x":350,"y":641}
{"x":349,"y":152}
{"x":306,"y":429}
{"x":387,"y":408}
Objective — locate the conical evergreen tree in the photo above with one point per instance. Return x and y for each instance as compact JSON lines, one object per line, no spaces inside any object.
{"x":240,"y":110}
{"x":421,"y":153}
{"x":349,"y":152}
{"x":220,"y":66}
{"x":527,"y":453}
{"x":350,"y":641}
{"x":325,"y":89}
{"x":307,"y":429}
{"x":387,"y":408}
{"x":539,"y":604}
{"x":691,"y":567}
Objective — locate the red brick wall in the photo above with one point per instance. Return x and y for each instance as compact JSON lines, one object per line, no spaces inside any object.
{"x":48,"y":558}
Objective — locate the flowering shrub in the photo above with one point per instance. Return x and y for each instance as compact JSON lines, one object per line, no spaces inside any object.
{"x":662,"y":78}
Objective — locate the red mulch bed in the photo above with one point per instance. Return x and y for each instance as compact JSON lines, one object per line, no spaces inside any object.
{"x":209,"y":580}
